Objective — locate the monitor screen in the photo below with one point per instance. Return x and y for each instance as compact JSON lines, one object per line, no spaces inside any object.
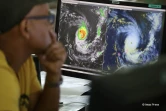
{"x":104,"y":38}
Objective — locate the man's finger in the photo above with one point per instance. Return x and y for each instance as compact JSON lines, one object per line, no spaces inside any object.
{"x":56,"y":53}
{"x":55,"y":46}
{"x":53,"y":36}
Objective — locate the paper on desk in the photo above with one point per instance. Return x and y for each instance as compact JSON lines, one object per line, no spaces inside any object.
{"x":73,"y":102}
{"x":74,"y":90}
{"x":71,"y":85}
{"x":74,"y":82}
{"x":74,"y":86}
{"x":74,"y":98}
{"x":71,"y":89}
{"x":43,"y":76}
{"x":72,"y":107}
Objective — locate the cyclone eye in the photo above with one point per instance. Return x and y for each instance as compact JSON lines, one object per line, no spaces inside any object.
{"x":82,"y":33}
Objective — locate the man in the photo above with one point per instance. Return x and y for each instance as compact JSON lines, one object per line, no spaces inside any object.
{"x":25,"y":29}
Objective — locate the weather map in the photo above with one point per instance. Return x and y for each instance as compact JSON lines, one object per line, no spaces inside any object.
{"x":133,"y":38}
{"x":82,"y":31}
{"x":100,"y":38}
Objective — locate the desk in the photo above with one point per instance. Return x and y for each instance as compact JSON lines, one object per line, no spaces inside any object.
{"x":71,"y":91}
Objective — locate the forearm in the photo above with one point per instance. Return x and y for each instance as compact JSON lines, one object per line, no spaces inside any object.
{"x":52,"y":60}
{"x":49,"y":99}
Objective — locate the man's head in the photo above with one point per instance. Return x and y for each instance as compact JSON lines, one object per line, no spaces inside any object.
{"x":28,"y":21}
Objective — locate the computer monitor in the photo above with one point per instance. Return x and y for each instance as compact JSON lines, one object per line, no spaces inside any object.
{"x":102,"y":36}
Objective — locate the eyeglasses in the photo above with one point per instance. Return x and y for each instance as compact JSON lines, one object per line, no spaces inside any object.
{"x":50,"y":18}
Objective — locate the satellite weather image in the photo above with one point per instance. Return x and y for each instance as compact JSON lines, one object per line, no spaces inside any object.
{"x":106,"y":39}
{"x":133,"y":38}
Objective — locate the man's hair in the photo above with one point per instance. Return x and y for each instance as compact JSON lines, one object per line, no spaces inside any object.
{"x":12,"y":12}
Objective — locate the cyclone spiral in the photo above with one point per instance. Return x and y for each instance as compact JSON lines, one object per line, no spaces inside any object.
{"x":105,"y":39}
{"x":133,"y":38}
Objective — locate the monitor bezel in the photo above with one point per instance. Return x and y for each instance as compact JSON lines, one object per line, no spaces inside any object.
{"x":71,"y":71}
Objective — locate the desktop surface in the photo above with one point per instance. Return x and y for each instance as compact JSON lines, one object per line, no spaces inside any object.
{"x":72,"y":96}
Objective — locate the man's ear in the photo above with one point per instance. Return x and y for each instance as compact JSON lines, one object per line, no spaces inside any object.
{"x":24,"y":29}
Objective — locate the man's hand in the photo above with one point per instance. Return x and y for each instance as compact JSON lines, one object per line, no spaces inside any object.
{"x":54,"y":57}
